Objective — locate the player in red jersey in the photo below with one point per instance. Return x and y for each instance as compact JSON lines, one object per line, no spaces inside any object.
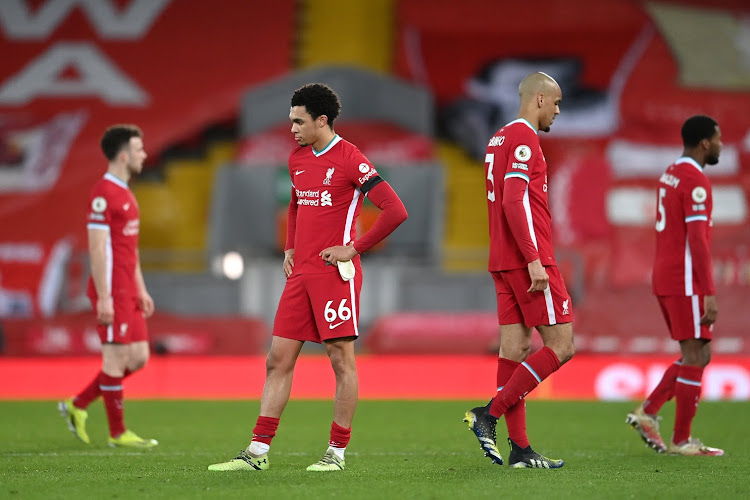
{"x":116,"y":287}
{"x":530,"y":291}
{"x":320,"y":303}
{"x":683,"y":284}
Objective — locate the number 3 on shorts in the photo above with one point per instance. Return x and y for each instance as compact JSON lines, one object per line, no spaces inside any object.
{"x":343,"y":313}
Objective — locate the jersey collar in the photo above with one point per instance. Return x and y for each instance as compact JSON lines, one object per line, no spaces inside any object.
{"x":687,"y":159}
{"x":326,"y":149}
{"x":525,"y":122}
{"x":113,"y":178}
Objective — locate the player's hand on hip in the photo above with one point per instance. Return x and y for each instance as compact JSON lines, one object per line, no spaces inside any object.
{"x":710,"y":310}
{"x":338,"y":253}
{"x":105,"y":310}
{"x":288,"y":265}
{"x":147,"y":304}
{"x":538,"y":275}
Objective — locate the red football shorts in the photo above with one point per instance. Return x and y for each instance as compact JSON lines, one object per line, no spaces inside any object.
{"x":516,"y":305}
{"x":318,"y":307}
{"x":129,"y":324}
{"x":683,"y":316}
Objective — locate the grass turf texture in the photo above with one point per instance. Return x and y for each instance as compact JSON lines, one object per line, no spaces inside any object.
{"x":399,"y":449}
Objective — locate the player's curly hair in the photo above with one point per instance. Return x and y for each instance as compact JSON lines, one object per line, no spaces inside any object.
{"x":318,"y":99}
{"x":117,"y":137}
{"x":696,"y":128}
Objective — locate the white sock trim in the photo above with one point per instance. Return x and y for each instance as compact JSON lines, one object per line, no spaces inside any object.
{"x":339,"y":452}
{"x":257,"y":448}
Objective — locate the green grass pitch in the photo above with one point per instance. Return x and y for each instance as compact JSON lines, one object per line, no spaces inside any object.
{"x":399,"y":449}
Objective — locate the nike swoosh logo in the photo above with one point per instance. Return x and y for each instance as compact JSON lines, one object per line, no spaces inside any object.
{"x":331,"y":327}
{"x":298,"y":172}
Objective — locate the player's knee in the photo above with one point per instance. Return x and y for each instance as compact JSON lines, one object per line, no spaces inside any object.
{"x":344,"y":371}
{"x":517,"y":352}
{"x":280,"y":362}
{"x":523,"y":351}
{"x":274,"y":362}
{"x":695,"y":353}
{"x":564,"y":350}
{"x":137,"y":364}
{"x":342,"y":362}
{"x":568,"y":353}
{"x":338,"y":360}
{"x":704,"y":359}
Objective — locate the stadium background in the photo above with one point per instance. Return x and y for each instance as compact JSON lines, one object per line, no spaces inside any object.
{"x":424,"y":84}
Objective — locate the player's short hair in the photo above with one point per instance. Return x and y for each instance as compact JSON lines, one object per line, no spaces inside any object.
{"x":696,"y":128}
{"x":318,"y":99}
{"x":117,"y":137}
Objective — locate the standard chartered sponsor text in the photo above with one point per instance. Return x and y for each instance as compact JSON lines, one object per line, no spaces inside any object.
{"x":307,"y":194}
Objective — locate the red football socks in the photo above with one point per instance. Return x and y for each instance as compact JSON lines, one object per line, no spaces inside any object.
{"x":525,"y":378}
{"x":687,"y":392}
{"x":111,"y":389}
{"x":92,"y":391}
{"x":88,"y":394}
{"x":515,"y":416}
{"x":265,"y":429}
{"x":339,"y":436}
{"x":664,"y":391}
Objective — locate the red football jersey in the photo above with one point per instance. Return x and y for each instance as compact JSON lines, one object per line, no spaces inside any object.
{"x":514,"y":152}
{"x":112,"y":207}
{"x":326,"y":187}
{"x":683,"y":197}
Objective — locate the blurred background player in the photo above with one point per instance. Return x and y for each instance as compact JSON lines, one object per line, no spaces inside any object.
{"x":116,"y":287}
{"x":530,"y":290}
{"x":320,"y":302}
{"x":683,"y":284}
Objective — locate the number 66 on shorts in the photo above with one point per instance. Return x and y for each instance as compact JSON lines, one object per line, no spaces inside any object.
{"x":319,"y":307}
